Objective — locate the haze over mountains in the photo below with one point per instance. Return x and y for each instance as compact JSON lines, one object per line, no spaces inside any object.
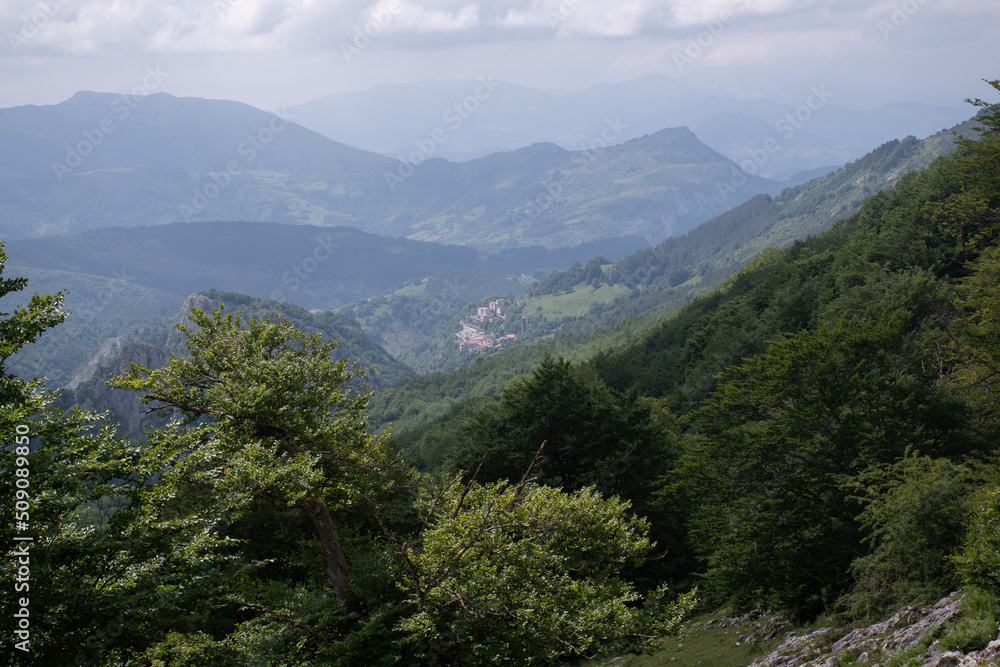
{"x":494,"y":115}
{"x":100,"y":160}
{"x":408,"y":295}
{"x":208,"y":189}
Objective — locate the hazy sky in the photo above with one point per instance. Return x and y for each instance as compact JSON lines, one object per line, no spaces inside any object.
{"x":272,"y":53}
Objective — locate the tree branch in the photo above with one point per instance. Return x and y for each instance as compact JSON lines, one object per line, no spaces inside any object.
{"x":284,"y":619}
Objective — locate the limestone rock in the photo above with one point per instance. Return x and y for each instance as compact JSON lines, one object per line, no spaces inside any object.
{"x":880,"y":641}
{"x":950,"y":659}
{"x":116,"y":358}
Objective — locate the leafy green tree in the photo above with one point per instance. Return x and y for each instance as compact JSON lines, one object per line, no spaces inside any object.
{"x":289,"y":421}
{"x":22,"y":327}
{"x":527,"y":574}
{"x":977,"y":345}
{"x":283,"y":429}
{"x":913,"y":519}
{"x":979,"y":559}
{"x":114,"y":560}
{"x":593,"y":435}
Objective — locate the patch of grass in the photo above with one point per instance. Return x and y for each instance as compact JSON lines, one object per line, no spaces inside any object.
{"x":970,"y":635}
{"x":701,"y":646}
{"x":977,"y":624}
{"x":412,"y":290}
{"x":577,"y":302}
{"x":911,"y":657}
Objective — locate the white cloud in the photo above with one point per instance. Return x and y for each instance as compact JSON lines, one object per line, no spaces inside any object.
{"x":416,"y":17}
{"x":97,"y":27}
{"x":254,"y":45}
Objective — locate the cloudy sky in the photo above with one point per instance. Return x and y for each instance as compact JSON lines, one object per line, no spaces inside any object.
{"x":272,"y":53}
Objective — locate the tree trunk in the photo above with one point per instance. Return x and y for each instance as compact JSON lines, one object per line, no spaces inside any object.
{"x":336,"y":564}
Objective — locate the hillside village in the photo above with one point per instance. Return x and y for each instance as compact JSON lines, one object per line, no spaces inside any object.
{"x":473,"y":338}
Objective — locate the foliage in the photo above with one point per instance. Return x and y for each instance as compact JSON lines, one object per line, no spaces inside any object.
{"x":281,"y":432}
{"x":978,"y":370}
{"x":586,"y":427}
{"x":111,"y":555}
{"x":977,"y":624}
{"x":979,"y":559}
{"x":913,"y":519}
{"x":196,"y":649}
{"x":969,"y":635}
{"x":593,"y":435}
{"x":592,"y":273}
{"x":21,"y":327}
{"x":291,"y":430}
{"x":788,"y":431}
{"x":527,"y":574}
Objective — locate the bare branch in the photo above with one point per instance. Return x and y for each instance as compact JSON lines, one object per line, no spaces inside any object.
{"x":468,"y":487}
{"x":525,"y":479}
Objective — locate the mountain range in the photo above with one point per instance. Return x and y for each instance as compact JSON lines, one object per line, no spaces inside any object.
{"x":101,"y":160}
{"x":609,"y":200}
{"x":389,"y":118}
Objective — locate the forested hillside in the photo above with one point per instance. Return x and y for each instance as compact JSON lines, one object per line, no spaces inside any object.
{"x":118,"y":280}
{"x":831,"y":410}
{"x":600,"y":304}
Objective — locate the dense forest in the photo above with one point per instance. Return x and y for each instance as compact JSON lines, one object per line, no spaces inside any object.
{"x":818,"y":436}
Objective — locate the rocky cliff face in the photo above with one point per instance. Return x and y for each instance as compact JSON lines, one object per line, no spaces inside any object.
{"x":192,"y":303}
{"x":907,"y":634}
{"x":88,"y":389}
{"x":116,"y":358}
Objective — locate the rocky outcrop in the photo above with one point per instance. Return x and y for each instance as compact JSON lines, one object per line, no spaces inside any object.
{"x":116,"y":357}
{"x":988,"y":656}
{"x":192,"y":303}
{"x":876,"y":644}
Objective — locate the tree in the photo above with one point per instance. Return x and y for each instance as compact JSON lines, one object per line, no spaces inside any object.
{"x":22,"y":327}
{"x":979,"y":559}
{"x":113,"y":558}
{"x":977,"y":344}
{"x":282,"y":425}
{"x":593,"y":434}
{"x":527,"y":574}
{"x":289,"y":419}
{"x":913,"y":519}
